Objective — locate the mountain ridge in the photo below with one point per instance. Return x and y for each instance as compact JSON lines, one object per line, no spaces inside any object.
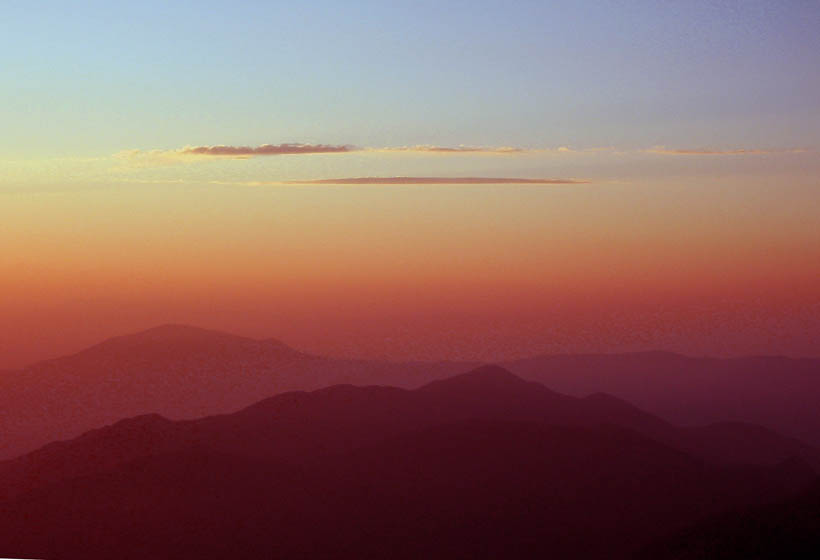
{"x":301,"y":425}
{"x":172,"y":329}
{"x":463,"y":468}
{"x":188,"y":372}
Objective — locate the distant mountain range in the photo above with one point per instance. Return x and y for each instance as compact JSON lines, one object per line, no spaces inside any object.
{"x":186,"y":372}
{"x":774,"y":391}
{"x":478,"y":465}
{"x":174,"y":370}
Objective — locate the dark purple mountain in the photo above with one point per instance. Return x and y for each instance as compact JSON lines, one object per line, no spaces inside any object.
{"x":173,"y":370}
{"x":786,"y":529}
{"x":184,"y":372}
{"x":481,"y":465}
{"x":780,"y":393}
{"x":297,"y":426}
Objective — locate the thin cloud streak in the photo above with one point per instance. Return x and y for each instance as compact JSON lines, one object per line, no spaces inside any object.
{"x":192,"y":154}
{"x":353,"y":181}
{"x":448,"y":150}
{"x":499,"y":150}
{"x":266,"y":150}
{"x":437,"y":181}
{"x":707,"y":152}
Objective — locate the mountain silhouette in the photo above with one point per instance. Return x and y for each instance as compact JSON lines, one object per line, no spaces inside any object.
{"x":174,"y":370}
{"x":174,"y":344}
{"x":483,"y":464}
{"x":299,"y":426}
{"x":186,"y":372}
{"x":774,"y":391}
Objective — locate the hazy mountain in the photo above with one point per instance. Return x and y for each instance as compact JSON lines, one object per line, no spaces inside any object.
{"x":298,"y":426}
{"x":176,"y":371}
{"x":483,"y":464}
{"x":778,"y":392}
{"x":185,"y":372}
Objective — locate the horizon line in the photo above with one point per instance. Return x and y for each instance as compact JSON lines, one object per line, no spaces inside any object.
{"x":467,"y":362}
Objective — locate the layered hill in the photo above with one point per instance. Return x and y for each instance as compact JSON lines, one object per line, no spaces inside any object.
{"x":185,"y":372}
{"x":173,"y":370}
{"x":780,"y":393}
{"x":483,"y":464}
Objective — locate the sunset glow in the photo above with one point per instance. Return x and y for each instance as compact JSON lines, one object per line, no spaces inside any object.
{"x":410,"y":280}
{"x":479,"y":200}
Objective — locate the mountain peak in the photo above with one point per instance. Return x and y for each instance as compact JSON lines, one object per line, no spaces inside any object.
{"x":178,"y":331}
{"x":177,"y":342}
{"x":486,"y":377}
{"x":175,"y":331}
{"x":493,"y":372}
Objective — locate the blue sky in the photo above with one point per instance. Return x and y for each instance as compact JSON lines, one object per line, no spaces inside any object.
{"x":147,"y":150}
{"x":93,"y":78}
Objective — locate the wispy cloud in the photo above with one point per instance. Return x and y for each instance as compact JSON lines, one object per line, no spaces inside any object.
{"x":490,"y":150}
{"x":453,"y":150}
{"x":437,"y":181}
{"x":399,"y":180}
{"x":709,"y":152}
{"x":189,"y":154}
{"x":265,"y":150}
{"x":192,"y":154}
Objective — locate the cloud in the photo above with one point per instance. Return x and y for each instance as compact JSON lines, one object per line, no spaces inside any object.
{"x":353,"y":181}
{"x":287,"y":149}
{"x":192,"y":154}
{"x":489,"y":150}
{"x":449,"y":150}
{"x":706,"y":152}
{"x":437,"y":181}
{"x":265,"y":150}
{"x":189,"y":154}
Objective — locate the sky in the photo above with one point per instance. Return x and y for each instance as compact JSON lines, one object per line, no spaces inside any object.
{"x":412,"y":180}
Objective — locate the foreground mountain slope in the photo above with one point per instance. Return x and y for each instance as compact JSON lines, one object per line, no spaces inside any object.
{"x":297,"y":427}
{"x":475,"y":489}
{"x":786,"y":529}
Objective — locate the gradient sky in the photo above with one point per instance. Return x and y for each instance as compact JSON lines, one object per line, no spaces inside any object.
{"x":266,"y":169}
